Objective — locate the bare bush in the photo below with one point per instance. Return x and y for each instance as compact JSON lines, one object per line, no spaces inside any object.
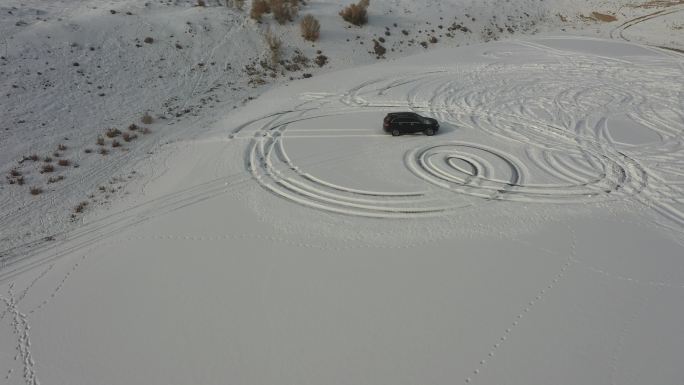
{"x":127,"y":137}
{"x":201,"y":3}
{"x":81,"y":207}
{"x":112,"y":133}
{"x":103,"y":151}
{"x":147,"y":119}
{"x":64,"y":162}
{"x":36,"y":190}
{"x":115,"y":143}
{"x":283,"y":11}
{"x":310,"y":28}
{"x":62,"y":147}
{"x":100,"y":141}
{"x":47,"y":168}
{"x":133,"y":127}
{"x":259,"y":8}
{"x":55,"y":179}
{"x":356,"y":14}
{"x":274,"y":45}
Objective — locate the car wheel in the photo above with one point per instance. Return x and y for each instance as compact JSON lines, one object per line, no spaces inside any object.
{"x":429,"y":132}
{"x":395,"y":132}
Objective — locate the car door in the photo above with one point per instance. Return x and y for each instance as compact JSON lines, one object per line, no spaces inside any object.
{"x":402,"y":123}
{"x":413,"y":124}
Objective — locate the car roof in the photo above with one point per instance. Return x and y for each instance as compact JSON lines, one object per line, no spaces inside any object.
{"x":395,"y":114}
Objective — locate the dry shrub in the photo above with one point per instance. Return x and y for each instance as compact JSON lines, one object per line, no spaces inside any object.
{"x":55,"y":179}
{"x":100,"y":141}
{"x":64,"y":162}
{"x":149,"y":40}
{"x":274,"y":45}
{"x":81,"y":207}
{"x":133,"y":127}
{"x":47,"y":159}
{"x":201,"y":3}
{"x":103,"y":151}
{"x":237,"y":4}
{"x":356,"y":13}
{"x":259,"y":7}
{"x":112,"y":133}
{"x":61,"y":147}
{"x":33,"y":157}
{"x":19,"y":181}
{"x":147,"y":119}
{"x":603,"y":17}
{"x":127,"y":137}
{"x":36,"y":190}
{"x":115,"y":143}
{"x":47,"y":168}
{"x":283,"y":11}
{"x":321,"y":60}
{"x":310,"y":28}
{"x":14,"y":172}
{"x":88,"y":150}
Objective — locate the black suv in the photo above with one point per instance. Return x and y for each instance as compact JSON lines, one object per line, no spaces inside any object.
{"x":409,"y":122}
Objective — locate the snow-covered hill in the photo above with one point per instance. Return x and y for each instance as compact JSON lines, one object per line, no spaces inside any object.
{"x":261,"y":228}
{"x":71,"y":70}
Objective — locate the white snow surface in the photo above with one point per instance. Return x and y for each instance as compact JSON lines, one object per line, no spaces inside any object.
{"x":536,"y":239}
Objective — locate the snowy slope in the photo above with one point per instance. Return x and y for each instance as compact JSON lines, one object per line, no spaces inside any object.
{"x":71,"y":70}
{"x":263,"y":229}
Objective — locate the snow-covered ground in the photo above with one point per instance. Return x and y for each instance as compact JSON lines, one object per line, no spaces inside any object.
{"x":269,"y":233}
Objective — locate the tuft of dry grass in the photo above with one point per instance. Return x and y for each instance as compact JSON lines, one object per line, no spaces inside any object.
{"x":62,"y":147}
{"x":356,"y":14}
{"x":147,"y":119}
{"x":112,"y":132}
{"x":133,"y":127}
{"x":64,"y":162}
{"x":311,"y":28}
{"x":35,"y":190}
{"x":100,"y":141}
{"x":201,"y":3}
{"x":259,"y":8}
{"x":115,"y":143}
{"x":103,"y":151}
{"x":47,"y":159}
{"x":14,"y":172}
{"x":32,"y":157}
{"x":47,"y":168}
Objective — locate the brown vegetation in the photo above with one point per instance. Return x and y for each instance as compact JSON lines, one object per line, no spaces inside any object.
{"x":283,"y":11}
{"x":47,"y":168}
{"x":356,"y":13}
{"x":259,"y":8}
{"x":310,"y":28}
{"x":603,"y":17}
{"x":112,"y":133}
{"x":274,"y":45}
{"x":147,"y":119}
{"x":36,"y":190}
{"x":64,"y":162}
